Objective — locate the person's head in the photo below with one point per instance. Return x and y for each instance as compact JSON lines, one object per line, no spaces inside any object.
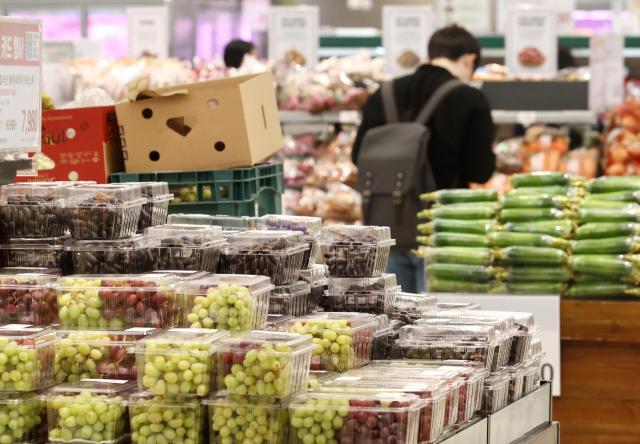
{"x":235,"y":51}
{"x":456,"y":49}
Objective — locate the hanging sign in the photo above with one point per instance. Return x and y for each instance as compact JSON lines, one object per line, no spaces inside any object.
{"x":294,"y":34}
{"x":405,"y":34}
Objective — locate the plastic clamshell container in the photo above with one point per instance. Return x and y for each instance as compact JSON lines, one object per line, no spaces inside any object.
{"x":434,"y":342}
{"x":151,"y":415}
{"x":343,"y":340}
{"x":292,"y":299}
{"x":27,"y":298}
{"x":31,"y":270}
{"x":178,"y":362}
{"x":104,"y":211}
{"x":227,"y":302}
{"x":382,"y":340}
{"x":69,"y":406}
{"x":310,"y":227}
{"x":84,"y":354}
{"x":531,"y":376}
{"x":34,"y":346}
{"x":375,"y":295}
{"x":117,"y":301}
{"x":414,"y":305}
{"x":31,"y":211}
{"x":37,"y":253}
{"x":227,"y":223}
{"x":155,"y":209}
{"x":277,"y":322}
{"x":517,"y":373}
{"x":186,"y":247}
{"x":390,"y":414}
{"x":32,"y":407}
{"x":356,"y":251}
{"x":276,"y":254}
{"x":495,"y":393}
{"x":458,"y":306}
{"x":227,"y":419}
{"x":181,"y":275}
{"x":264,"y":363}
{"x":115,"y":256}
{"x":318,"y":377}
{"x":525,"y":328}
{"x":315,"y":276}
{"x":439,"y":399}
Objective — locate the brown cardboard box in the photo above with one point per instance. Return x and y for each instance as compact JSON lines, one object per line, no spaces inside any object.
{"x":218,"y":124}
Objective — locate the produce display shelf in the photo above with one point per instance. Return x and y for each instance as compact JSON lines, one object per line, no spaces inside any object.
{"x":353,"y":117}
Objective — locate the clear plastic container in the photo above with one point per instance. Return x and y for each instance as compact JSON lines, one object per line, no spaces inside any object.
{"x":351,"y":251}
{"x":32,"y":408}
{"x":118,"y":256}
{"x":32,"y":270}
{"x":385,"y":415}
{"x":32,"y":211}
{"x":154,"y":210}
{"x":227,"y":302}
{"x":375,"y":295}
{"x":531,"y":377}
{"x":228,"y":419}
{"x":97,"y":354}
{"x":315,"y":276}
{"x":276,"y":254}
{"x":318,"y":377}
{"x":458,"y":306}
{"x":410,"y":306}
{"x":104,"y":211}
{"x":89,"y":411}
{"x":152,"y":415}
{"x":37,"y":253}
{"x":35,"y":349}
{"x":516,"y":381}
{"x":525,"y":328}
{"x":310,"y":227}
{"x":178,"y":362}
{"x":277,"y":323}
{"x":181,"y":275}
{"x":381,"y":341}
{"x":495,"y":393}
{"x":228,"y":223}
{"x":432,"y":393}
{"x":186,"y":247}
{"x":433,"y":342}
{"x":292,"y":299}
{"x":264,"y":363}
{"x":343,"y":340}
{"x":27,"y":298}
{"x":117,"y":301}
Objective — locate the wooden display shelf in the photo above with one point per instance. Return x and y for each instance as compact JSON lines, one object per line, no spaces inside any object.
{"x":600,"y":400}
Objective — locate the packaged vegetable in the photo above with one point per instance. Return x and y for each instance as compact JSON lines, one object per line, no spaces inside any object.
{"x":610,"y":184}
{"x":453,"y":240}
{"x":600,"y":230}
{"x":545,"y":179}
{"x":461,"y":196}
{"x":467,"y":212}
{"x":599,"y":290}
{"x":462,"y":272}
{"x":556,"y":228}
{"x":611,"y":267}
{"x":532,"y":288}
{"x":436,"y":285}
{"x":481,"y":226}
{"x":536,"y":274}
{"x":457,"y":255}
{"x":612,"y":245}
{"x":532,"y":256}
{"x":586,"y":215}
{"x":551,"y":190}
{"x":504,"y":239}
{"x":534,"y":214}
{"x":536,"y":201}
{"x":615,"y":196}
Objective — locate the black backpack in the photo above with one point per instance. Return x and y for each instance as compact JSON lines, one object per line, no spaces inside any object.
{"x":394,"y":168}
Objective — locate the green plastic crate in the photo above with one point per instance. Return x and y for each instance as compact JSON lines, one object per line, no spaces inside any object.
{"x":253,"y":191}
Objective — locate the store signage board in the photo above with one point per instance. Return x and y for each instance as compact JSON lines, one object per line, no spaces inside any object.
{"x":474,"y":15}
{"x":564,"y":8}
{"x":405,"y":34}
{"x":546,"y":312}
{"x":531,"y":41}
{"x":255,"y":14}
{"x":606,"y":63}
{"x":148,"y":31}
{"x":20,"y":84}
{"x":294,"y":34}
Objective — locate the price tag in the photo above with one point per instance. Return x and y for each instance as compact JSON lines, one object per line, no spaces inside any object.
{"x":139,"y":329}
{"x":348,"y":378}
{"x":20,"y":84}
{"x":108,"y":381}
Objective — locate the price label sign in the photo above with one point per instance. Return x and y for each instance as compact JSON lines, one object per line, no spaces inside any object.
{"x":405,"y":34}
{"x":294,"y":34}
{"x":20,"y":84}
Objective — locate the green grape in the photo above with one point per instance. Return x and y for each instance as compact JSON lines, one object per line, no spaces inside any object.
{"x":166,"y":420}
{"x":227,"y":307}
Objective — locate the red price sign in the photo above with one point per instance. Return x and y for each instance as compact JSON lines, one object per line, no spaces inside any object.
{"x":30,"y":121}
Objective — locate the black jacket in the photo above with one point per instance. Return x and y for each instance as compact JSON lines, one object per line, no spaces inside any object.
{"x":461,"y":128}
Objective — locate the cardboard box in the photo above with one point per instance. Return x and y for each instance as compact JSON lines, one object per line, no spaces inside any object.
{"x":217,"y":124}
{"x":78,"y":144}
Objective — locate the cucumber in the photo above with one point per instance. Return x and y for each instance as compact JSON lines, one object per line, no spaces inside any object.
{"x":461,"y":196}
{"x":611,"y":267}
{"x":601,"y":230}
{"x":612,"y":245}
{"x":532,"y":256}
{"x":536,"y":201}
{"x":449,"y":286}
{"x":599,"y":290}
{"x":586,"y":215}
{"x":616,"y":196}
{"x":481,"y":226}
{"x":553,"y":190}
{"x":457,"y":255}
{"x":460,"y":272}
{"x":532,"y":288}
{"x":545,"y":179}
{"x":454,"y":240}
{"x":536,"y":274}
{"x":465,"y":212}
{"x":534,"y":214}
{"x":466,"y":205}
{"x":557,"y":228}
{"x":610,"y":184}
{"x":607,"y":204}
{"x":600,"y":278}
{"x":504,"y":239}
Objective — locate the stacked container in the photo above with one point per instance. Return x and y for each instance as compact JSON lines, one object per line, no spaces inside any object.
{"x":374,"y":295}
{"x":27,"y":297}
{"x":118,"y":256}
{"x":154,"y":211}
{"x":316,"y":277}
{"x":409,"y":307}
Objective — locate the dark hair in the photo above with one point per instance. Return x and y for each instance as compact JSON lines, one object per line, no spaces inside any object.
{"x":452,"y":43}
{"x":235,"y":51}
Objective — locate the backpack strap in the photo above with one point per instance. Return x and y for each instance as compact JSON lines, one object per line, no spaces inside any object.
{"x":436,"y":98}
{"x":387,"y":92}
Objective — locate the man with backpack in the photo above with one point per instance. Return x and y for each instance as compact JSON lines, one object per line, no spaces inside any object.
{"x":421,"y":133}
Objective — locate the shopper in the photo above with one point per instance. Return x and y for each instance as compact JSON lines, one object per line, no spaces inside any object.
{"x":235,"y":51}
{"x":461,"y":129}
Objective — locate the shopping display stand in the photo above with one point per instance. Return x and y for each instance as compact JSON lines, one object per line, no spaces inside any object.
{"x":9,"y":169}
